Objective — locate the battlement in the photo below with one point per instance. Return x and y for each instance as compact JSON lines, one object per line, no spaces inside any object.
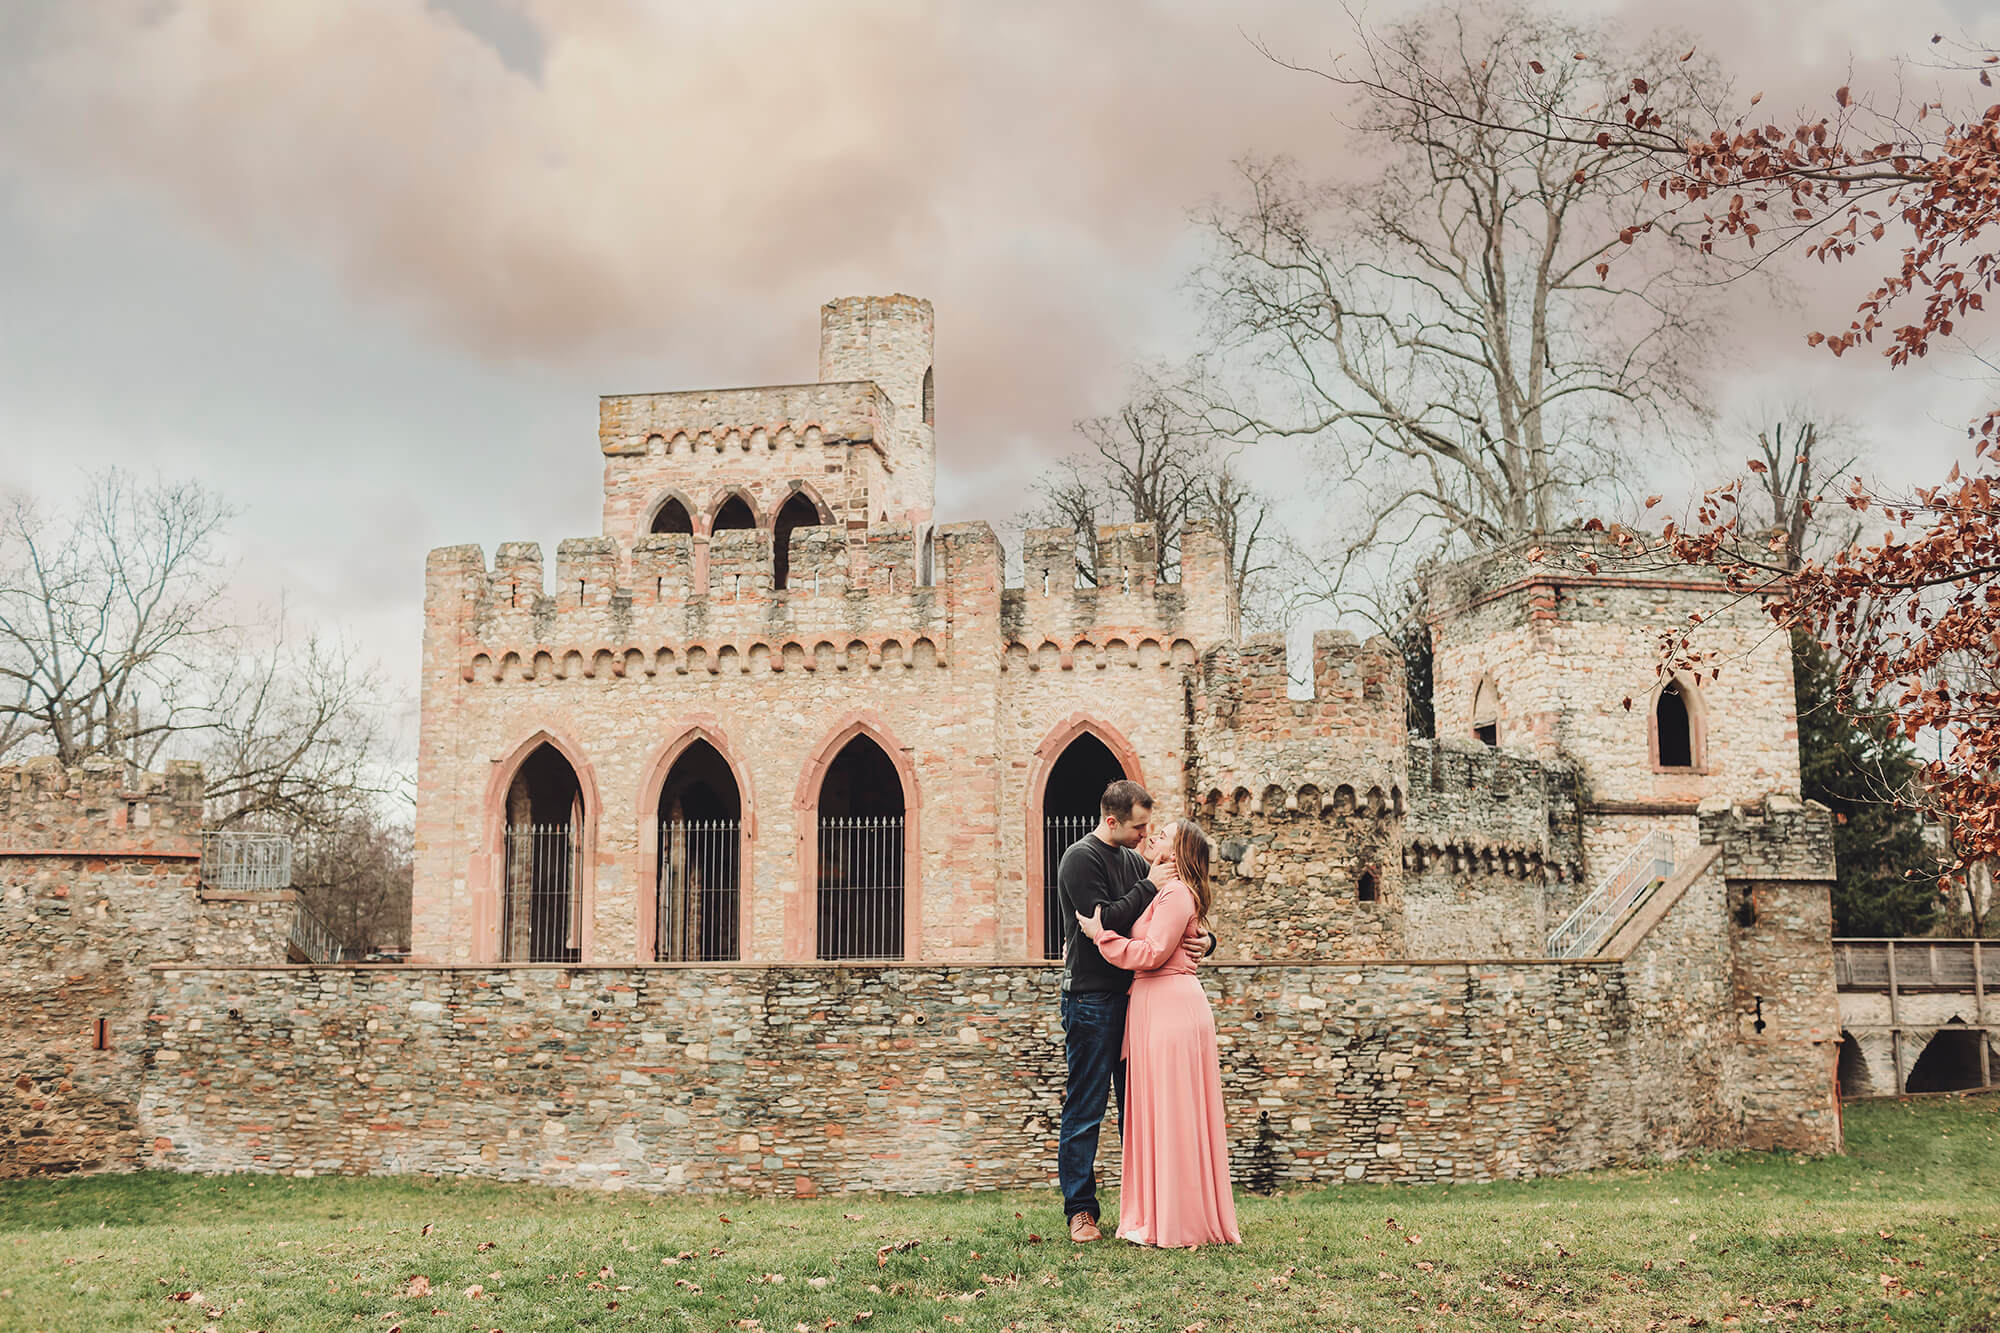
{"x":99,"y":807}
{"x":1778,"y":837}
{"x":1355,"y":686}
{"x":1344,"y":747}
{"x":1531,"y":568}
{"x":1462,"y":790}
{"x":677,"y":599}
{"x":1050,"y":620}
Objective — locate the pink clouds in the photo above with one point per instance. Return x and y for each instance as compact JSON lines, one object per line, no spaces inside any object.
{"x":683,"y":184}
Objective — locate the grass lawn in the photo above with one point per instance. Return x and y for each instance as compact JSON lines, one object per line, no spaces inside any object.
{"x":1903,"y":1232}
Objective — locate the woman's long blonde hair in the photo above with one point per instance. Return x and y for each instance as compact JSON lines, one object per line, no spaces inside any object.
{"x":1190,"y":852}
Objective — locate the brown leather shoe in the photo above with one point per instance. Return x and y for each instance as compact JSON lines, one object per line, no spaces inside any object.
{"x":1083,"y":1229}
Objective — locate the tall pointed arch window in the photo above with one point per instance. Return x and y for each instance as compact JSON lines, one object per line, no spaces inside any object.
{"x":541,"y":916}
{"x":859,"y":821}
{"x":1678,"y":735}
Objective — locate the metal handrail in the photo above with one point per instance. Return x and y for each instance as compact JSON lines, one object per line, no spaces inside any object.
{"x":236,"y":860}
{"x":1584,"y":929}
{"x":309,"y":935}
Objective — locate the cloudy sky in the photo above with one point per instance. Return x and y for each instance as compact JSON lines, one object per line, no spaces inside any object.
{"x":364,"y":266}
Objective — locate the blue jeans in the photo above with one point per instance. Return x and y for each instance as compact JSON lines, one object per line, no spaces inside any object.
{"x":1093,"y":1045}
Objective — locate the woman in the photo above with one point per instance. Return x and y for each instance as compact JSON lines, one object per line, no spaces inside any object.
{"x":1176,"y":1176}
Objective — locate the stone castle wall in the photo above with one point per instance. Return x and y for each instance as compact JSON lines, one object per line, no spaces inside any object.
{"x":99,"y":877}
{"x":621,"y":658}
{"x":821,"y":1079}
{"x":1568,"y":637}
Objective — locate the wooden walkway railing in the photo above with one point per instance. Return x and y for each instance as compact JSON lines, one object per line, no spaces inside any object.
{"x":1912,"y":967}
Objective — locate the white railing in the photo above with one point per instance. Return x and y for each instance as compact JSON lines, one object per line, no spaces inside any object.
{"x":1644,"y":867}
{"x":238,"y":861}
{"x":310,"y":939}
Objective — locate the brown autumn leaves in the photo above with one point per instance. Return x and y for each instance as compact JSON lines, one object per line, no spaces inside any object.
{"x":1913,"y":189}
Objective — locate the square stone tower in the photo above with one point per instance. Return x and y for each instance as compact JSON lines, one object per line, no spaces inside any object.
{"x":853,"y":449}
{"x":888,"y":340}
{"x":1556,"y":657}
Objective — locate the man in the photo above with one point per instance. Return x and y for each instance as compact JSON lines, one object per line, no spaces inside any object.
{"x":1100,"y":869}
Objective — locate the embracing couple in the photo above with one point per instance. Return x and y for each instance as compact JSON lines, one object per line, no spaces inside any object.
{"x":1135,"y":904}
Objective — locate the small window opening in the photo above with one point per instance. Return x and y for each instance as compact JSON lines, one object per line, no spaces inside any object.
{"x":927,"y":561}
{"x":1675,"y":733}
{"x":1365,"y":888}
{"x":798,"y":512}
{"x":930,"y":398}
{"x":673,"y":517}
{"x":1486,"y":712}
{"x":102,"y":1039}
{"x":734,"y":514}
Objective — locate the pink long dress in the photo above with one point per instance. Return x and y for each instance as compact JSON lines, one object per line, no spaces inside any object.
{"x":1175,"y":1189}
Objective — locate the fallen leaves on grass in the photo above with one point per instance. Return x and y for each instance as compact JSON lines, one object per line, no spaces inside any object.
{"x":883,"y":1252}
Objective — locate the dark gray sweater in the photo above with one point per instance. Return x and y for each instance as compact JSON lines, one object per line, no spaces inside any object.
{"x":1093,"y":872}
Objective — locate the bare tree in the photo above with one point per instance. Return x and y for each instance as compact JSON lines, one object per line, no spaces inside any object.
{"x":104,"y":615}
{"x":1801,"y":452}
{"x":1447,"y":334}
{"x":1156,"y":461}
{"x":354,"y":868}
{"x":115,"y":640}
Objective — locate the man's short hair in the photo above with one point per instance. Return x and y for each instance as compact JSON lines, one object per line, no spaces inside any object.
{"x":1120,"y":797}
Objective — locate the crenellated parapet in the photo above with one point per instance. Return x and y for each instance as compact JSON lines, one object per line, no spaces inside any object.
{"x":1342,"y":747}
{"x":719,"y":425}
{"x":1126,"y":616}
{"x":100,"y":807}
{"x":1474,"y":807}
{"x":680,"y":603}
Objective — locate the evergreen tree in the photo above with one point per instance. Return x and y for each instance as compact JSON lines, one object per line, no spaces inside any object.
{"x":1852,"y":762}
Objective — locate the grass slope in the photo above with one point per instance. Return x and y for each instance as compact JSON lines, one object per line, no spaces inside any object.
{"x":1903,"y":1232}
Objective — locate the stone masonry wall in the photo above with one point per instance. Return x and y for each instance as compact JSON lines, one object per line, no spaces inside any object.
{"x":1777,"y":857}
{"x":1568,"y":638}
{"x":1491,"y":854}
{"x":1287,"y":882}
{"x":97,"y":878}
{"x":820,"y":1079}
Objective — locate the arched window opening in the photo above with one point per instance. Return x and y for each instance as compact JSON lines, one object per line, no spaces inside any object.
{"x":1949,"y":1063}
{"x":1852,"y":1070}
{"x":1673,"y":728}
{"x":701,"y":838}
{"x":541,"y":916}
{"x":1486,"y":712}
{"x":1069,"y":812}
{"x":798,"y":512}
{"x":860,"y":832}
{"x":927,"y":560}
{"x":930,"y":397}
{"x":733,"y":513}
{"x":672,"y":517}
{"x":1366,"y":889}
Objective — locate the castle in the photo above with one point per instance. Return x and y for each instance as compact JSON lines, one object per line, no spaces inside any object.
{"x":735,"y":844}
{"x":773,"y":678}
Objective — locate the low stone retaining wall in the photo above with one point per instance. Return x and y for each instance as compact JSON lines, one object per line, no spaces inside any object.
{"x":802,"y":1080}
